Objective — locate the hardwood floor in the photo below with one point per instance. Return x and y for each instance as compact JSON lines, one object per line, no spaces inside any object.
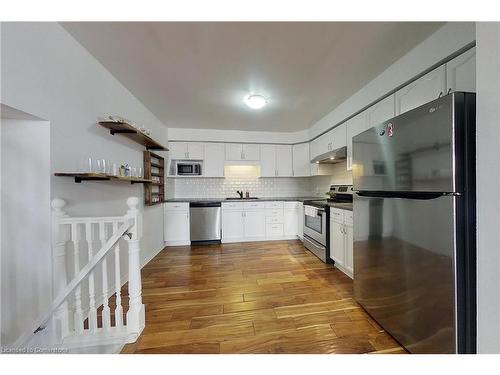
{"x":260,"y":297}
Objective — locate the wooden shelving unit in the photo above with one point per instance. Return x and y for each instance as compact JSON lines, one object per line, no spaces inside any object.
{"x":79,"y":177}
{"x":154,"y":170}
{"x":132,"y":133}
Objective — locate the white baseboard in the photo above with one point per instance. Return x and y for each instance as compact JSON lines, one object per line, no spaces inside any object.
{"x":177,"y":243}
{"x":259,"y":239}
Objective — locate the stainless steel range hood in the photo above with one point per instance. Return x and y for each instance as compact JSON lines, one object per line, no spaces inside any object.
{"x":331,"y":157}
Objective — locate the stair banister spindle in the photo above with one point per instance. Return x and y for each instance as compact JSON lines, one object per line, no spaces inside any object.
{"x":106,"y":318}
{"x":118,"y":301}
{"x":78,"y":316}
{"x":135,"y":314}
{"x":60,"y":276}
{"x":92,"y":307}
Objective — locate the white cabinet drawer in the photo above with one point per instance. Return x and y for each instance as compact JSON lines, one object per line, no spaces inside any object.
{"x":176,"y":206}
{"x":274,"y":230}
{"x":291,"y":205}
{"x":274,"y":219}
{"x":274,"y":212}
{"x":232,"y":206}
{"x":253,"y":205}
{"x":274,"y":204}
{"x":336,"y":214}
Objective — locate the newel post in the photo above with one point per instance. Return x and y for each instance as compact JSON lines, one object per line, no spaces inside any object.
{"x":136,"y":312}
{"x":59,"y":272}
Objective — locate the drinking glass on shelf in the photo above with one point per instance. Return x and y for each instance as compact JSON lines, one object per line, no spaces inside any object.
{"x":114,"y":169}
{"x":87,"y":165}
{"x":109,"y":167}
{"x":99,"y":166}
{"x":139,"y":172}
{"x":134,"y":172}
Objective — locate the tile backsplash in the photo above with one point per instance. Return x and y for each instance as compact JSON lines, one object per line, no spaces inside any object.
{"x":315,"y":186}
{"x":226,"y":187}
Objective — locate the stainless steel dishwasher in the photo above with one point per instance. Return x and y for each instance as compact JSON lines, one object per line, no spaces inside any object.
{"x":205,"y":221}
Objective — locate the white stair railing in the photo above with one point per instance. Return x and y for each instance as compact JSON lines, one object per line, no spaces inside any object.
{"x":77,"y":301}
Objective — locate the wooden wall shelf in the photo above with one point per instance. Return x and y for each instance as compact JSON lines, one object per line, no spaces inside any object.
{"x":132,"y":133}
{"x":154,"y":169}
{"x":79,"y":177}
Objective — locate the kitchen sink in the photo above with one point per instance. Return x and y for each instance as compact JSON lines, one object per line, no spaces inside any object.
{"x":241,"y":199}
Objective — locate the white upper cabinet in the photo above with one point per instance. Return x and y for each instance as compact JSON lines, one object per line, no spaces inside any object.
{"x":301,"y":160}
{"x":380,"y":112}
{"x":355,"y":126}
{"x":268,"y":161}
{"x":339,"y":137}
{"x":276,"y":160}
{"x":234,"y":151}
{"x":461,"y":72}
{"x":251,"y":152}
{"x":239,"y":152}
{"x":421,"y":91}
{"x":284,"y":167}
{"x":213,"y":164}
{"x":177,"y":150}
{"x":329,"y":141}
{"x":376,"y":114}
{"x":196,"y":150}
{"x":186,"y":150}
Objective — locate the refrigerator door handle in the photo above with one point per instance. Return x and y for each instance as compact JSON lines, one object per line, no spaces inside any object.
{"x":404,"y":194}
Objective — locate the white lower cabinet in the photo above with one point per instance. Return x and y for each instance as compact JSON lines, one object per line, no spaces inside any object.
{"x":233,"y":225}
{"x":254,"y":224}
{"x":259,"y":221}
{"x":176,"y":224}
{"x":341,"y":240}
{"x":300,"y":228}
{"x":292,"y":213}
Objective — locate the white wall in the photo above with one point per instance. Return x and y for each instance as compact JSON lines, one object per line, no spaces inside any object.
{"x":25,"y":217}
{"x":45,"y":72}
{"x":488,"y":181}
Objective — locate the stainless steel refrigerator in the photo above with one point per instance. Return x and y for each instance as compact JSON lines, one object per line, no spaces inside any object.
{"x":414,"y":225}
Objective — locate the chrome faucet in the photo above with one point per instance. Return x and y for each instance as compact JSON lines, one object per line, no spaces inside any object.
{"x":240,"y":193}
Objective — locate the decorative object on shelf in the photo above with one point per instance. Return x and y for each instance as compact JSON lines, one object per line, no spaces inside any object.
{"x":154,"y":170}
{"x":79,"y":177}
{"x":141,"y":135}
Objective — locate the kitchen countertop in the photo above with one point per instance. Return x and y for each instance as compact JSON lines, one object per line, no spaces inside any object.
{"x":263,"y":199}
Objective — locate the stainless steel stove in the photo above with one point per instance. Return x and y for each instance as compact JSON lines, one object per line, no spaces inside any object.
{"x":316,"y":221}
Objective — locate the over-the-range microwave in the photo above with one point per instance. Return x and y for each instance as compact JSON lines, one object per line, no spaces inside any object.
{"x":186,"y":168}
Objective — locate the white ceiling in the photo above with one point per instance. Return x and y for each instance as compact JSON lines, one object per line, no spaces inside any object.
{"x":195,"y":75}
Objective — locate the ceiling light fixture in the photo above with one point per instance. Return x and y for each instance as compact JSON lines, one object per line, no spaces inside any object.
{"x":255,"y":101}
